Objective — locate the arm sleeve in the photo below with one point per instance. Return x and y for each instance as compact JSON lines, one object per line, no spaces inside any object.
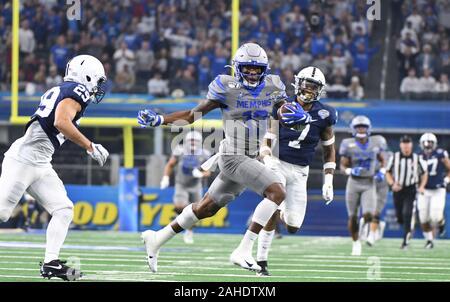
{"x":343,"y":149}
{"x":333,"y":117}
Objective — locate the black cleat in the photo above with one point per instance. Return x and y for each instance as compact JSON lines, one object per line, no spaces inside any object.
{"x":404,"y":246}
{"x":264,"y":272}
{"x":59,"y":269}
{"x":441,"y":230}
{"x":429,"y":245}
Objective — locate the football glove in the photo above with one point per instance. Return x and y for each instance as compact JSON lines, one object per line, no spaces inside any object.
{"x":380,"y":175}
{"x":99,"y":154}
{"x":356,"y":171}
{"x":149,"y":118}
{"x":164,"y":182}
{"x":197,"y":173}
{"x":296,"y":116}
{"x":327,"y":188}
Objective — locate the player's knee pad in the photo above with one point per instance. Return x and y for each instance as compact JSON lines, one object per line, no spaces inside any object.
{"x":4,"y":215}
{"x":293,"y":220}
{"x":222,"y":199}
{"x":65,"y":215}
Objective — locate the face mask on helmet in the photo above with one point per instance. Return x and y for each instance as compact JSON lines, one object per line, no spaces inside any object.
{"x":428,"y":145}
{"x":251,"y":75}
{"x":309,"y":90}
{"x":361,"y":131}
{"x":98,"y":91}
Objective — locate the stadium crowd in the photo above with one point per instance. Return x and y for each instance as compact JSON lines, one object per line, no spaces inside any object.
{"x":422,"y":30}
{"x":165,"y":47}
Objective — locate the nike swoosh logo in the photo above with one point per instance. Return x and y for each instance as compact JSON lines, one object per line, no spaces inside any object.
{"x":249,"y":264}
{"x":55,"y":267}
{"x":313,"y":121}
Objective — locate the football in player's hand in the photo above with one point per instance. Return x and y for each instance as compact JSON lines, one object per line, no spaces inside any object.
{"x":287,"y":108}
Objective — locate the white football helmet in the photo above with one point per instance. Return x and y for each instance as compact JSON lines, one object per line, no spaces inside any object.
{"x":361,"y":121}
{"x":250,"y":54}
{"x":89,"y":71}
{"x":309,"y":84}
{"x":428,"y":141}
{"x":193,"y":142}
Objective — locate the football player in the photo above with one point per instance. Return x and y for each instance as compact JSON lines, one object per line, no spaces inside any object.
{"x":359,"y":156}
{"x":246,"y":101}
{"x":431,"y":204}
{"x":188,"y":186}
{"x":296,"y":147}
{"x":27,"y":162}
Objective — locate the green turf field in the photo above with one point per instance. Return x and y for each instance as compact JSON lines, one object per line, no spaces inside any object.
{"x":114,"y":256}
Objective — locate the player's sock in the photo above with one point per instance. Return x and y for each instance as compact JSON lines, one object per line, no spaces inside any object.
{"x":428,"y":235}
{"x":57,"y":232}
{"x":185,"y":220}
{"x":264,"y":242}
{"x":248,"y":241}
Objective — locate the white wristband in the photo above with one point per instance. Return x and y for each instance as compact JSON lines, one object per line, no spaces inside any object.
{"x":270,"y":135}
{"x":162,"y":119}
{"x":382,"y":170}
{"x":265,"y":149}
{"x":348,"y":171}
{"x":329,"y":165}
{"x":328,"y":142}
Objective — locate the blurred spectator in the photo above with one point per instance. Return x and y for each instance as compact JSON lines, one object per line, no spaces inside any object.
{"x":186,"y":82}
{"x":60,"y":54}
{"x":124,"y":57}
{"x":355,"y":90}
{"x":409,"y":86}
{"x":290,"y":60}
{"x":340,"y":61}
{"x":337,"y":90}
{"x":204,"y":75}
{"x":426,"y":60}
{"x":125,"y":79}
{"x":157,"y":86}
{"x":27,"y":43}
{"x":320,"y":45}
{"x":426,"y":84}
{"x":442,"y":87}
{"x":145,"y":59}
{"x":53,"y":78}
{"x":416,"y":20}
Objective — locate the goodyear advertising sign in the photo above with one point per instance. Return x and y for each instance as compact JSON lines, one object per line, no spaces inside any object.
{"x":96,"y":207}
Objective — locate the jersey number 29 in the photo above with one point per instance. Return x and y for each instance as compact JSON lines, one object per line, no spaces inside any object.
{"x":296,"y":144}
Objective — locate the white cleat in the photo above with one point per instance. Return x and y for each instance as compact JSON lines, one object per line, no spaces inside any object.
{"x":356,"y":249}
{"x":152,"y":249}
{"x":244,"y":260}
{"x":188,"y":237}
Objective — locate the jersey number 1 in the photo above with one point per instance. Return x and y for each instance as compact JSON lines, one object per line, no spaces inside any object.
{"x":296,"y":144}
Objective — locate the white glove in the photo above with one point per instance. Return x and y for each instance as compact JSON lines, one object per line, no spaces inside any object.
{"x":197,"y":173}
{"x":446,"y":180}
{"x":270,"y":161}
{"x":164,"y":182}
{"x":99,"y":153}
{"x":327,"y":188}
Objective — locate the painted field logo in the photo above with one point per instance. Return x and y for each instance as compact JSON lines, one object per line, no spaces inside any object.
{"x":374,"y":10}
{"x":74,"y":10}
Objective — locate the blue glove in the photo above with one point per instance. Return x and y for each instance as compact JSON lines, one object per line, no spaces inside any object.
{"x":379,"y":177}
{"x":297,"y":116}
{"x":356,"y":171}
{"x":149,"y":118}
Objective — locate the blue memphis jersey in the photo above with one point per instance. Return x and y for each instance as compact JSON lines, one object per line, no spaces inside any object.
{"x":436,"y":168}
{"x":298,"y":147}
{"x":45,"y":113}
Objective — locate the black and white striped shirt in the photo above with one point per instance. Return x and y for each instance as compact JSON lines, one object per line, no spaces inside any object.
{"x":406,"y":170}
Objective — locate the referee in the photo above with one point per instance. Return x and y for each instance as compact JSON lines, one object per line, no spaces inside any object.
{"x":404,"y":172}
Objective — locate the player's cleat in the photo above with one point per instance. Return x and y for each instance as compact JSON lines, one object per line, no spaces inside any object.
{"x":429,"y":245}
{"x":188,"y":237}
{"x":404,"y":246}
{"x":152,"y":249}
{"x":244,"y":260}
{"x":356,"y":249}
{"x":441,"y":230}
{"x":59,"y":269}
{"x":264,"y":272}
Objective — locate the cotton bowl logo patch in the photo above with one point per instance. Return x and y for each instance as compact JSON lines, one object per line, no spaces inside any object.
{"x":324,"y":114}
